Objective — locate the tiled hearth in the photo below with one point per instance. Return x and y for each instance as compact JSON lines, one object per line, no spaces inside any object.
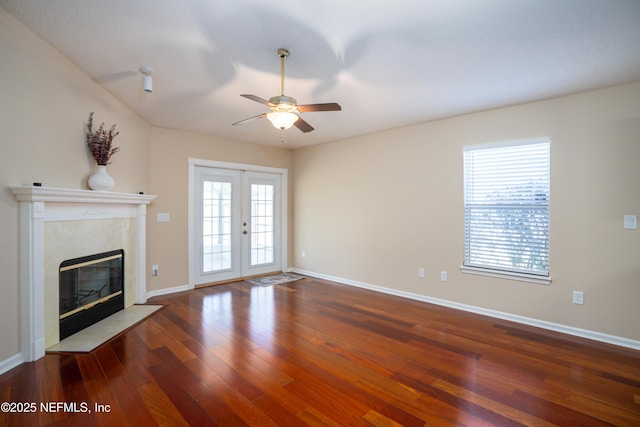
{"x":58,"y":224}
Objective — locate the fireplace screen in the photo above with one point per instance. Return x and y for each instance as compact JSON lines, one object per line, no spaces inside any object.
{"x":91,"y":288}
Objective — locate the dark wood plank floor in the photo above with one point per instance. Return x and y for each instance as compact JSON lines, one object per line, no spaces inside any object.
{"x":317,"y":353}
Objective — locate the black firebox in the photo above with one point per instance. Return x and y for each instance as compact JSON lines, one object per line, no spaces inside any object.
{"x":91,"y":289}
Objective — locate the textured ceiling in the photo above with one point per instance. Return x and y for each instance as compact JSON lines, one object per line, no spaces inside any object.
{"x":389,"y":64}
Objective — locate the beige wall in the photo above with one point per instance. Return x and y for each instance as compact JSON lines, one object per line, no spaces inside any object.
{"x":373,"y":209}
{"x":170,"y":152}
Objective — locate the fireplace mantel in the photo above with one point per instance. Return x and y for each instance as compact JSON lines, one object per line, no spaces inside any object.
{"x":42,"y":204}
{"x":65,"y":195}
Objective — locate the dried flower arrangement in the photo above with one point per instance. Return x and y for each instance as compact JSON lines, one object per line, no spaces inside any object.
{"x":99,"y":142}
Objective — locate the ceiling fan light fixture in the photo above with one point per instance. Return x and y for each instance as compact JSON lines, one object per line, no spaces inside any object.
{"x":284,"y":109}
{"x":282,"y":119}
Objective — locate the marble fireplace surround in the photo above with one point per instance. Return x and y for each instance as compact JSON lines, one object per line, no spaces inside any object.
{"x":58,"y":224}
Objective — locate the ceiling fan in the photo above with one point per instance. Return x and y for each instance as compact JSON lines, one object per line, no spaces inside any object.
{"x":283,"y":109}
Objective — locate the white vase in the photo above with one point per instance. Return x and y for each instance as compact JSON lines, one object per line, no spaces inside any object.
{"x":101,"y":180}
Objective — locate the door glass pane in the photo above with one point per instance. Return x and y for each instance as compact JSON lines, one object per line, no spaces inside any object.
{"x":262,"y":237}
{"x":216,"y":226}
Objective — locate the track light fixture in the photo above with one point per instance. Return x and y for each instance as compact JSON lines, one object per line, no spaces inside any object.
{"x":147,"y":82}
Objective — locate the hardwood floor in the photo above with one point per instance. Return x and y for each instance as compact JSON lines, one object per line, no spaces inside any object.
{"x":317,"y":353}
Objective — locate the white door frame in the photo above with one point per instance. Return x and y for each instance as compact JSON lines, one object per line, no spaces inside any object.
{"x":193,"y":163}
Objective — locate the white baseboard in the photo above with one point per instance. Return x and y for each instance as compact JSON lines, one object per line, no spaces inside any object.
{"x":557,"y":327}
{"x":167,"y":291}
{"x":10,"y":363}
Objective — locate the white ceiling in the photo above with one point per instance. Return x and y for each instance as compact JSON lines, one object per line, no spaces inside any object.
{"x":387,"y":63}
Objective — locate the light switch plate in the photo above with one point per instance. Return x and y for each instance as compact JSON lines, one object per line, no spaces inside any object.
{"x":163,"y":217}
{"x":631,"y":222}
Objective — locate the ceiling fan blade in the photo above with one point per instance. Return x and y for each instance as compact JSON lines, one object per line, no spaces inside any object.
{"x":259,"y":116}
{"x":302,"y":125}
{"x":257,"y":99}
{"x":331,"y":106}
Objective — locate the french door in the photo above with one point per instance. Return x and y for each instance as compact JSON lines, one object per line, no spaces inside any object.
{"x":237,"y":224}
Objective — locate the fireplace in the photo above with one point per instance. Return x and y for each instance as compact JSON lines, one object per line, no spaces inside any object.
{"x":91,"y":288}
{"x":58,"y":224}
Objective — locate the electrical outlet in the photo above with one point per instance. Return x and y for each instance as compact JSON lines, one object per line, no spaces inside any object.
{"x":303,"y":253}
{"x":154,"y":270}
{"x":444,"y":276}
{"x":578,"y":297}
{"x":421,"y":272}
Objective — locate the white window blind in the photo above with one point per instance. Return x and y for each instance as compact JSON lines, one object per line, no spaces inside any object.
{"x":506,"y":207}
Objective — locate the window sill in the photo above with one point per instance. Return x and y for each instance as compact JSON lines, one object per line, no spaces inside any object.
{"x":541,"y":280}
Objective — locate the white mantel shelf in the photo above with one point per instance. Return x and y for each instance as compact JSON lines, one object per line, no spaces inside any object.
{"x":42,"y":204}
{"x":66,"y":195}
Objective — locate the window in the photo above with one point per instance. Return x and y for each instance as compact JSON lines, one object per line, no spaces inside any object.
{"x":506,"y":209}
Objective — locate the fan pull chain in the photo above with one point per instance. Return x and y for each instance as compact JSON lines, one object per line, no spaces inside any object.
{"x":282,"y":136}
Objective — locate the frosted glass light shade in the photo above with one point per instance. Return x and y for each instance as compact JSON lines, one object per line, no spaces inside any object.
{"x":282,"y":119}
